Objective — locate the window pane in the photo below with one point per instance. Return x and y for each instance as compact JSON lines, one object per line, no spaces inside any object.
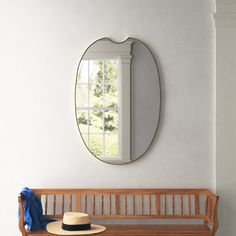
{"x":111,"y":121}
{"x":82,"y":95}
{"x":111,"y":95}
{"x":82,"y":117}
{"x":95,"y":71}
{"x":96,"y":95}
{"x":97,"y":103}
{"x":96,"y":121}
{"x":111,"y":145}
{"x":96,"y":144}
{"x":82,"y":76}
{"x":111,"y":71}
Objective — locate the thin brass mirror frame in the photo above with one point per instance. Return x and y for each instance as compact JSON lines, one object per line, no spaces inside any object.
{"x":160,"y":97}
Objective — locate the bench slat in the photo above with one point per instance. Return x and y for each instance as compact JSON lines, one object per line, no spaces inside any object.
{"x":142,"y":207}
{"x":134,"y":205}
{"x":54,"y":204}
{"x":117,"y":204}
{"x":158,"y":204}
{"x":94,"y":204}
{"x":78,"y":208}
{"x":46,"y":204}
{"x":63,"y":204}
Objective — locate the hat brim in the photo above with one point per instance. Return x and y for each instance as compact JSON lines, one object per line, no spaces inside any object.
{"x":55,"y":228}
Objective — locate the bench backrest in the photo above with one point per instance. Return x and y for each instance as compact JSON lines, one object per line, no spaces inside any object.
{"x":131,"y":203}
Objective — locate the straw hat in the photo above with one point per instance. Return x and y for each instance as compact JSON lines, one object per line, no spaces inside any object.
{"x":74,"y":223}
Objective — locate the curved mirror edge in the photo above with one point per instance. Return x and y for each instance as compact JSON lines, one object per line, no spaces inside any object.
{"x":144,"y":95}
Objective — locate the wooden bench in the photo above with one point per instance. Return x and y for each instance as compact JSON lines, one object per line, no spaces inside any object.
{"x":138,"y":204}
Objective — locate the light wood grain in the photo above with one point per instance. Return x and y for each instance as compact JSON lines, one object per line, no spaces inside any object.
{"x":117,"y":204}
{"x":94,"y":204}
{"x":134,"y":205}
{"x":148,"y":230}
{"x":46,"y":204}
{"x":78,"y":207}
{"x":158,"y":204}
{"x":197,"y":206}
{"x":54,"y":204}
{"x":63,"y":204}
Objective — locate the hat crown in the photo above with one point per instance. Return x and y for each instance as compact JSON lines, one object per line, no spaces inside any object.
{"x":76,"y":218}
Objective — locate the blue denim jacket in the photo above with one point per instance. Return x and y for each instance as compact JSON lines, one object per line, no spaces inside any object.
{"x":33,"y":211}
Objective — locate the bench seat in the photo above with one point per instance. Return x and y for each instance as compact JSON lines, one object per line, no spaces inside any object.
{"x":148,"y":230}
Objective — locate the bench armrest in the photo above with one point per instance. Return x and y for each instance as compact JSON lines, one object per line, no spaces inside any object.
{"x":215,"y":224}
{"x":211,"y":213}
{"x":21,"y":222}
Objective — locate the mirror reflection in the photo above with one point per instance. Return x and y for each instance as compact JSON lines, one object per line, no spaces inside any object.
{"x":117,"y":99}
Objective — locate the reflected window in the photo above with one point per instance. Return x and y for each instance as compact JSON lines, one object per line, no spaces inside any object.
{"x":98,"y":105}
{"x":103,"y":100}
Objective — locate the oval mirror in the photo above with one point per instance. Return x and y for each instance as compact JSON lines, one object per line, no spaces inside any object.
{"x":117,"y":99}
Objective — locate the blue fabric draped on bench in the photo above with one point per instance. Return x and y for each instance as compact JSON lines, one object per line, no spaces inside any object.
{"x":33,"y":211}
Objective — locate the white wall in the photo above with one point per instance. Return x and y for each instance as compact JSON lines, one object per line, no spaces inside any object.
{"x":226,"y":115}
{"x":41,"y":43}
